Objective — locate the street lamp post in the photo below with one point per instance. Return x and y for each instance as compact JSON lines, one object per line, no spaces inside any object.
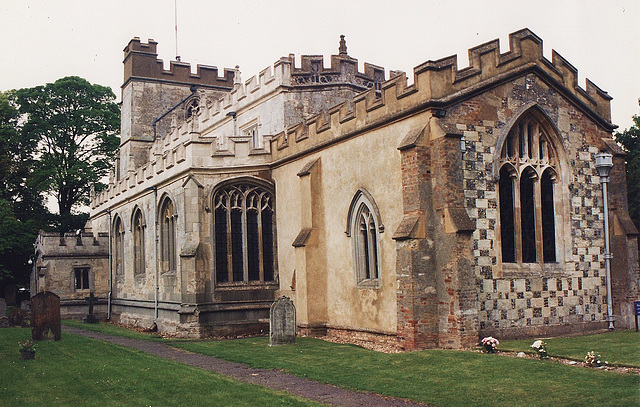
{"x":604,"y":162}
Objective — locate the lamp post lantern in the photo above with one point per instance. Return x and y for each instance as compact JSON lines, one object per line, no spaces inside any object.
{"x":604,"y":162}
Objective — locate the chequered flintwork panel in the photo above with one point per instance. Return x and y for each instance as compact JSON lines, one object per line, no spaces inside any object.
{"x":535,"y":301}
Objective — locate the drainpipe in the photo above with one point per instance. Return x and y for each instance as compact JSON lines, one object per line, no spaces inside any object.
{"x":604,"y":162}
{"x":110,"y":270}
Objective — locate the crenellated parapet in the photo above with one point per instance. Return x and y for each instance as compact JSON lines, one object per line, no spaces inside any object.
{"x":311,"y":74}
{"x":486,"y":62}
{"x":438,"y":84}
{"x":53,"y":244}
{"x":141,"y":62}
{"x":343,"y":69}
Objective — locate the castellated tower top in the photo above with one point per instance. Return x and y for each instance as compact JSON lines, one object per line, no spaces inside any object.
{"x":141,"y":62}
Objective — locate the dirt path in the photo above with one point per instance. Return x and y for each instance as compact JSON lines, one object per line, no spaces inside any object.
{"x":308,"y":389}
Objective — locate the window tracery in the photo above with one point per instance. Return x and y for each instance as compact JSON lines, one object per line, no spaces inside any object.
{"x":192,"y":108}
{"x":243,"y":231}
{"x":364,"y":229}
{"x":168,"y":215}
{"x":138,"y":242}
{"x":527,"y":189}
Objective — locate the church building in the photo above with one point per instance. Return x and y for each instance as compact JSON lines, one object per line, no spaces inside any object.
{"x":424,"y":211}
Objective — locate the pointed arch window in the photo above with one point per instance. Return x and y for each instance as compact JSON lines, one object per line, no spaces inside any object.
{"x":168,"y":259}
{"x":364,"y":227}
{"x":243,"y":230}
{"x":138,"y":226}
{"x":118,"y":247}
{"x":528,"y":175}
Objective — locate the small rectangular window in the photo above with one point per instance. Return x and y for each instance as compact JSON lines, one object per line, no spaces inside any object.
{"x":82,"y":278}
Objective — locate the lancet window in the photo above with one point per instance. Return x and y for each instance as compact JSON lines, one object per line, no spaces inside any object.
{"x":168,"y":257}
{"x":364,"y":228}
{"x":118,"y":247}
{"x":138,"y":242}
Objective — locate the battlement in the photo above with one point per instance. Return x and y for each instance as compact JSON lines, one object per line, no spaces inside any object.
{"x":440,"y":83}
{"x":312,"y":72}
{"x":53,"y":244}
{"x":141,"y":62}
{"x":343,"y":69}
{"x":485,"y":60}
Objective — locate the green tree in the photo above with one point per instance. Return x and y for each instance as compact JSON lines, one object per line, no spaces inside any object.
{"x":630,"y":140}
{"x":22,"y":212}
{"x":75,"y":124}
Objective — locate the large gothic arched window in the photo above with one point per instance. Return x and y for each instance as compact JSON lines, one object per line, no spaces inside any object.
{"x":244,"y":234}
{"x":527,"y":193}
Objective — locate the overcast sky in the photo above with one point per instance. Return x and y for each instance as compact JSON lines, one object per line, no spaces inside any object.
{"x":42,"y":41}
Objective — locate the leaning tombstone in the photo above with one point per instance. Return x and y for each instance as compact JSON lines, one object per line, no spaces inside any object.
{"x":282,"y":322}
{"x":45,"y":317}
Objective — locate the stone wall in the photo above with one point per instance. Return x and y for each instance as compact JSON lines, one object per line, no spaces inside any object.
{"x":54,"y":270}
{"x":436,"y":304}
{"x":544,"y":298}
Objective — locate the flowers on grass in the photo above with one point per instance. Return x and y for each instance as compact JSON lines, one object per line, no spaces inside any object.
{"x":490,"y":344}
{"x":593,"y":359}
{"x":28,"y":346}
{"x":541,"y":347}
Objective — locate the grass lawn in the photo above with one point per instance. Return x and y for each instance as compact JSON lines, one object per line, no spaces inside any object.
{"x":617,"y":347}
{"x":94,"y":372}
{"x":78,"y":371}
{"x":440,"y":377}
{"x":111,"y":329}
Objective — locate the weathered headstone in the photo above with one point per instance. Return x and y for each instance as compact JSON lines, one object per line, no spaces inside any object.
{"x":17,"y":317}
{"x":90,"y":318}
{"x":45,"y":317}
{"x":282,"y":322}
{"x":10,"y":294}
{"x":4,"y":322}
{"x":3,"y":307}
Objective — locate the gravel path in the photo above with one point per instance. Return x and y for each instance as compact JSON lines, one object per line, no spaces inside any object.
{"x":308,"y":389}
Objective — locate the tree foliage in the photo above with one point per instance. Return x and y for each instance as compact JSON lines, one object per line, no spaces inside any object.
{"x":22,"y":212}
{"x":75,"y":125}
{"x":58,"y":140}
{"x":630,"y":140}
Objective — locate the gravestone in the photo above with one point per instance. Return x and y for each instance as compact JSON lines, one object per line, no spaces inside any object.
{"x":3,"y":307}
{"x":10,"y":294}
{"x":282,"y":322}
{"x":4,"y":322}
{"x":17,"y":317}
{"x":45,"y":317}
{"x":90,"y":318}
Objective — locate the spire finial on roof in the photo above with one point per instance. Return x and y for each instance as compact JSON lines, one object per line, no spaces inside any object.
{"x":343,"y":46}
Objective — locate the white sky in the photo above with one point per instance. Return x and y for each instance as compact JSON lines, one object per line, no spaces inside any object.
{"x":44,"y":40}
